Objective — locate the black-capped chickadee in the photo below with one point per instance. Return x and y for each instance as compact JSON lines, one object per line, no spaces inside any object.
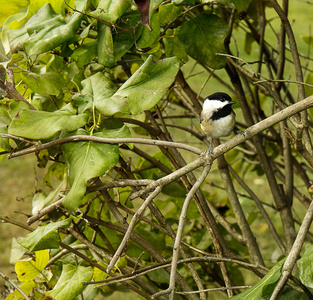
{"x":217,"y":117}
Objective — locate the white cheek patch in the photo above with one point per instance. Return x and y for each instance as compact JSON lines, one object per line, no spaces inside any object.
{"x":209,"y":106}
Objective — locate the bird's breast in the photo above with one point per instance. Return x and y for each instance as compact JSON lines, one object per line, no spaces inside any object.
{"x":218,"y":128}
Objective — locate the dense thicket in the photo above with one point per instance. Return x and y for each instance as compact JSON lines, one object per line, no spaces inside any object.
{"x":108,"y":96}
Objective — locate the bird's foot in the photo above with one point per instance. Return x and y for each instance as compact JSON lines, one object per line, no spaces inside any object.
{"x":238,"y":131}
{"x":210,"y":149}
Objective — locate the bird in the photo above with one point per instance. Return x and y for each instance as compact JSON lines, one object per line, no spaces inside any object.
{"x":217,"y":117}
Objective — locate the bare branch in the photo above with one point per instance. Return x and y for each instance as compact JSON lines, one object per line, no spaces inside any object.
{"x":294,"y":253}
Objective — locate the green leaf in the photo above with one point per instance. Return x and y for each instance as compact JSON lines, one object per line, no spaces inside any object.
{"x":28,"y":269}
{"x":43,"y":125}
{"x":49,"y":38}
{"x":201,"y":239}
{"x":264,"y":287}
{"x":50,"y":83}
{"x":203,"y":37}
{"x":305,"y":265}
{"x":143,"y":90}
{"x":96,"y":89}
{"x":241,"y":4}
{"x":85,"y":53}
{"x":147,"y":37}
{"x":159,"y":276}
{"x":45,"y":237}
{"x":45,"y":19}
{"x":169,"y":12}
{"x":70,"y":284}
{"x":105,"y":45}
{"x":86,"y":160}
{"x":123,"y":40}
{"x":184,"y":2}
{"x":173,"y":46}
{"x":111,"y":10}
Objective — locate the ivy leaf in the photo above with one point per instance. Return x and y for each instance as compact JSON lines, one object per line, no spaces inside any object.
{"x":143,"y":90}
{"x":110,"y":11}
{"x":28,"y":269}
{"x":105,"y":48}
{"x":50,"y":83}
{"x":96,"y":89}
{"x":45,"y":237}
{"x":43,"y":125}
{"x":15,"y":38}
{"x":203,"y":37}
{"x":70,"y":284}
{"x":149,"y":34}
{"x":86,"y":160}
{"x":49,"y":38}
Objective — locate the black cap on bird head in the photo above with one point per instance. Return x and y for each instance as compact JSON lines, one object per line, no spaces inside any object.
{"x":219,"y":96}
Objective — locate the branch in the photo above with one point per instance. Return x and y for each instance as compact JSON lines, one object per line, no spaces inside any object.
{"x":5,"y":277}
{"x":233,"y":142}
{"x":45,"y":211}
{"x":130,"y":228}
{"x":11,"y":91}
{"x":209,"y":259}
{"x":294,"y":253}
{"x":87,"y":138}
{"x":191,"y":194}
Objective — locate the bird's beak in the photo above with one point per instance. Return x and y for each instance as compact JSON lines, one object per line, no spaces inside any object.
{"x":232,"y":102}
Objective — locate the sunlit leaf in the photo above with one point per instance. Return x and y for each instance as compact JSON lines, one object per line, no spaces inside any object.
{"x":42,"y":125}
{"x":143,"y":90}
{"x":11,"y":7}
{"x":46,"y":39}
{"x":96,"y":89}
{"x":28,"y":269}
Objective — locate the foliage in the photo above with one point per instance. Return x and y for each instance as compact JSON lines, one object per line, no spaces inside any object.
{"x":89,"y":83}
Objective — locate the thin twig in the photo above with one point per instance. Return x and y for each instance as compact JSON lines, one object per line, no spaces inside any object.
{"x":87,"y":138}
{"x":131,"y":227}
{"x":182,"y":218}
{"x":294,"y":253}
{"x":231,"y":143}
{"x":11,"y":90}
{"x":15,"y":286}
{"x":44,"y":211}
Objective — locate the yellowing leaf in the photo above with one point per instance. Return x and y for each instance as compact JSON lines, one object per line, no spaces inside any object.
{"x":27,"y":270}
